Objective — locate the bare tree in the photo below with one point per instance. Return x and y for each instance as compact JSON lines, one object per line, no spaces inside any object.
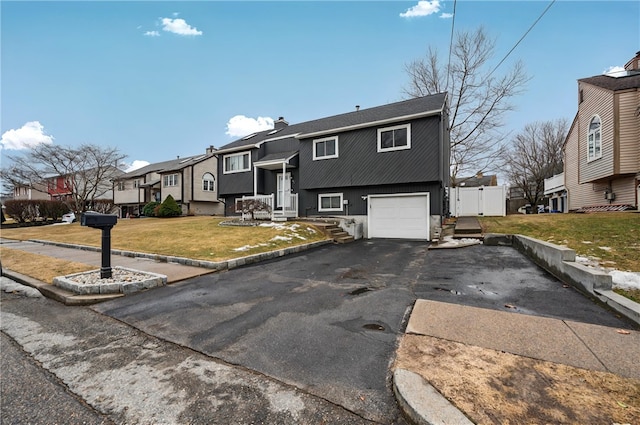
{"x":87,"y":171}
{"x":534,"y":155}
{"x":478,"y":99}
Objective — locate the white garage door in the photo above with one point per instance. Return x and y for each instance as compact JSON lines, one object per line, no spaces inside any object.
{"x":402,"y":216}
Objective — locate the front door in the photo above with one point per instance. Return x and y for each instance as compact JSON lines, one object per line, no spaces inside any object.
{"x":286,"y":183}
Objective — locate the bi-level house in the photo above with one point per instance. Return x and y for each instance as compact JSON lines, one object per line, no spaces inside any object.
{"x":602,"y":148}
{"x":191,"y":181}
{"x":386,"y":168}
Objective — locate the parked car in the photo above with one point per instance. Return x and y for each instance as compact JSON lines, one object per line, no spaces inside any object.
{"x":69,"y":218}
{"x":526,"y":209}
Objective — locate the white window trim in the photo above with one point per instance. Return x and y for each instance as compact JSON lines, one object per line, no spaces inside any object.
{"x":325,"y":139}
{"x":326,"y":195}
{"x":167,"y":179}
{"x":235,"y":203}
{"x":212,"y":179}
{"x":396,"y":148}
{"x":224,"y":163}
{"x":589,"y":133}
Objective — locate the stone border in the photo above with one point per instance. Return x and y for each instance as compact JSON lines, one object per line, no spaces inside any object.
{"x":560,"y":261}
{"x":154,"y":280}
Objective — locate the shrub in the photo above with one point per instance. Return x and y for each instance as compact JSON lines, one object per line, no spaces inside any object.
{"x":22,"y":211}
{"x":169,"y":208}
{"x":149,"y":209}
{"x":52,"y":209}
{"x":104,"y":206}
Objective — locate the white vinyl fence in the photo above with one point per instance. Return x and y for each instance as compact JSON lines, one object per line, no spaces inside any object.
{"x":478,"y":201}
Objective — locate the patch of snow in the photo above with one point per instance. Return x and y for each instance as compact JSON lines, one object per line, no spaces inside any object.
{"x":605,"y":248}
{"x":625,"y":280}
{"x":450,"y":241}
{"x":587,"y":242}
{"x":280,"y":238}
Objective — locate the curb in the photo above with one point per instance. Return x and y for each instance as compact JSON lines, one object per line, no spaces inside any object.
{"x":421,"y":403}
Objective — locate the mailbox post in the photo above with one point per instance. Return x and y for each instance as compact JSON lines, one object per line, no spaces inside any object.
{"x":104,"y":222}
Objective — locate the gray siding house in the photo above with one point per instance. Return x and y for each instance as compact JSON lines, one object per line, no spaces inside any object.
{"x":385,"y":168}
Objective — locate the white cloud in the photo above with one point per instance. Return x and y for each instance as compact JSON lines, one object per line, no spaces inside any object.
{"x":179,"y":26}
{"x":614,"y":71}
{"x":152,"y":34}
{"x":28,"y":136}
{"x":241,"y":125}
{"x":446,"y":15}
{"x":135,"y":165}
{"x":423,"y":8}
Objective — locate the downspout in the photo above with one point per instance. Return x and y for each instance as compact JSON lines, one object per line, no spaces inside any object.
{"x":284,"y":178}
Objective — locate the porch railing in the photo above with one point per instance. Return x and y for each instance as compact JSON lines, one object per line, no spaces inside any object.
{"x":262,"y":207}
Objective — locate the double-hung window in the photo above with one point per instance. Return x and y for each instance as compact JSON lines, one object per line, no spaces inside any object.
{"x":170,"y":180}
{"x":394,"y":138}
{"x":594,"y":139}
{"x":330,"y":202}
{"x":325,"y":148}
{"x":236,"y":163}
{"x":208,"y":183}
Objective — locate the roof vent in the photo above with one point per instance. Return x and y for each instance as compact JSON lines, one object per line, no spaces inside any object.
{"x":357,"y":107}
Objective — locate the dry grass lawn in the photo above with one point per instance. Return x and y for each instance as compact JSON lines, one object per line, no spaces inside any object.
{"x":612,"y":238}
{"x":199,"y":238}
{"x":191,"y":237}
{"x":38,"y":266}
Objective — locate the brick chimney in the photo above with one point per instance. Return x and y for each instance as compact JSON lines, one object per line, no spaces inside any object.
{"x":280,"y":123}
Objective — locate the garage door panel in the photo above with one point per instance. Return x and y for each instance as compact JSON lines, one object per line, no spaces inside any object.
{"x":399,"y":216}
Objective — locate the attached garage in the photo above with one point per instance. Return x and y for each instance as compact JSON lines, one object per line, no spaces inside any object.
{"x":399,"y":215}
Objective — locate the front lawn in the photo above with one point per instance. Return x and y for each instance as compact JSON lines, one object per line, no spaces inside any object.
{"x":199,"y":237}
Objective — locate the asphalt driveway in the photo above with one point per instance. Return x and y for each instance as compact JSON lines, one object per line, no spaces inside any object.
{"x":327,"y":320}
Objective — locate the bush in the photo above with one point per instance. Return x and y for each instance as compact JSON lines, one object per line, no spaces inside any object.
{"x":169,"y":208}
{"x":23,"y":211}
{"x":104,"y":206}
{"x":149,"y":209}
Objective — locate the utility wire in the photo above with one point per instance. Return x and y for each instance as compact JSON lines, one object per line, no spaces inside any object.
{"x":453,"y":22}
{"x":522,"y":38}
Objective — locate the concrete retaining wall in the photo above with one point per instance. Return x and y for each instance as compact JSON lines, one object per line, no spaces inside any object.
{"x":560,"y":262}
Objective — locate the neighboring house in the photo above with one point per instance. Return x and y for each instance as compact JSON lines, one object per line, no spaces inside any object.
{"x":602,"y":148}
{"x":191,"y":181}
{"x":556,"y":193}
{"x":475,"y":181}
{"x":30,"y":192}
{"x":386,"y":168}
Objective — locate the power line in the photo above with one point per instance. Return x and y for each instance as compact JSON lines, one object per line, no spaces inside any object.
{"x":453,"y":22}
{"x":522,"y":38}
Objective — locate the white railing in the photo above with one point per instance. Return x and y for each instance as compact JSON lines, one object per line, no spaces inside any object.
{"x":554,"y":184}
{"x":261,"y":207}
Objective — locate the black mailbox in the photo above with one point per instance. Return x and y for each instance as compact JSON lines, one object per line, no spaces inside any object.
{"x":97,"y":220}
{"x":104,"y":222}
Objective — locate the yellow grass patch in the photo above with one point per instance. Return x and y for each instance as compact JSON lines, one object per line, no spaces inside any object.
{"x":39,"y":266}
{"x":192,"y":237}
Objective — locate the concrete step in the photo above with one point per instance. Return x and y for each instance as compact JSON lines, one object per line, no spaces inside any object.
{"x":344,"y":239}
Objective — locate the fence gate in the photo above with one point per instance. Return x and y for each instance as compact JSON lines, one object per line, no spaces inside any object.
{"x":475,"y":201}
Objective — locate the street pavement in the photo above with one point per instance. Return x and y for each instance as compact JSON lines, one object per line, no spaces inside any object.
{"x":84,"y":367}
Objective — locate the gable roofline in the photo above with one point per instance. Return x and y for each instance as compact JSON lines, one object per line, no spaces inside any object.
{"x":370,"y":124}
{"x":166,"y":166}
{"x":613,"y":83}
{"x":360,"y":118}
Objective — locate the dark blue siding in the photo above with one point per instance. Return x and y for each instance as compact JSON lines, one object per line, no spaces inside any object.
{"x":308,"y":199}
{"x":360,"y":164}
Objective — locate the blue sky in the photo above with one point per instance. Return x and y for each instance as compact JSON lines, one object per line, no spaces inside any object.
{"x":158,"y":79}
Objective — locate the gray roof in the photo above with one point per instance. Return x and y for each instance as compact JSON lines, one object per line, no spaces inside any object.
{"x":362,"y":117}
{"x":281,"y":156}
{"x":166,"y":166}
{"x":614,"y":83}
